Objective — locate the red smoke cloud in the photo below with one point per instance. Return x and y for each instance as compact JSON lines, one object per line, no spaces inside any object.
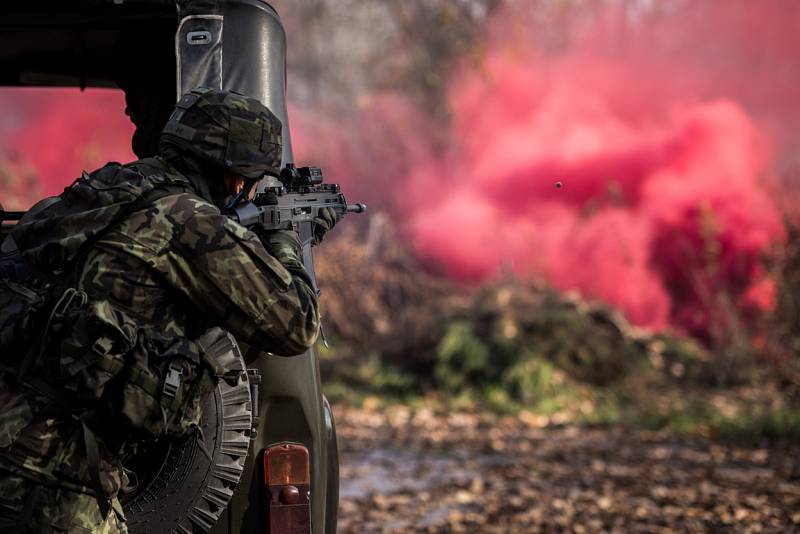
{"x":662,"y":140}
{"x":657,"y":215}
{"x":57,"y":133}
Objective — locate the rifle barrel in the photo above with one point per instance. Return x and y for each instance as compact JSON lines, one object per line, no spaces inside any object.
{"x":356,"y":208}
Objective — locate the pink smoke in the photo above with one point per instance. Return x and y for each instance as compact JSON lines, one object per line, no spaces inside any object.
{"x":57,"y":133}
{"x":640,"y":202}
{"x":663,"y":142}
{"x":662,"y":212}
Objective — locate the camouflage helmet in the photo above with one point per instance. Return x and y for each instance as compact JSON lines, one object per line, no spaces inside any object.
{"x":228,"y":130}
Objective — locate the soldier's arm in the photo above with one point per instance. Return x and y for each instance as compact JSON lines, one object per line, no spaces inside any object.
{"x":228,"y":274}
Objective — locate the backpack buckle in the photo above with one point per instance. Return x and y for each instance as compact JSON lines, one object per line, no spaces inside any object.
{"x":172,"y":381}
{"x":102,"y":346}
{"x":70,"y":298}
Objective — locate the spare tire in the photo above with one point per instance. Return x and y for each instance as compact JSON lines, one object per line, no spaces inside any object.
{"x":179,"y":490}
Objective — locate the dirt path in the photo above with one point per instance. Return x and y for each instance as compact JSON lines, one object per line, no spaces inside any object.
{"x":482,"y":473}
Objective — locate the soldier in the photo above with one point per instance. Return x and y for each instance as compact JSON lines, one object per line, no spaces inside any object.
{"x":145,"y":268}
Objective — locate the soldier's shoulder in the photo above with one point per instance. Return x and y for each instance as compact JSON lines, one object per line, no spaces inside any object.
{"x":183,"y":206}
{"x":165,"y":221}
{"x":154,"y":167}
{"x":142,"y":173}
{"x":113,"y":172}
{"x":192,"y":217}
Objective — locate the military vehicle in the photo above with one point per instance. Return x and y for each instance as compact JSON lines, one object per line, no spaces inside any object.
{"x":269,"y":461}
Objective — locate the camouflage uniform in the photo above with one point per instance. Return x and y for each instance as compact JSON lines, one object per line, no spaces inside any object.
{"x":170,"y":270}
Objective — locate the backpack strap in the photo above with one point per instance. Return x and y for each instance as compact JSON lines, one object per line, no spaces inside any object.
{"x":93,"y":461}
{"x":69,"y":299}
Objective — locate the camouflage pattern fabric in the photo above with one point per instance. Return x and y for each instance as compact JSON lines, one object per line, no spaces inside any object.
{"x":209,"y":263}
{"x":18,"y":304}
{"x":27,"y":507}
{"x":227,"y":130}
{"x":157,"y":279}
{"x":42,"y":458}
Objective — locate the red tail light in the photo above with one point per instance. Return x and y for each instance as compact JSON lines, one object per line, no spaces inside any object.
{"x":287,"y":485}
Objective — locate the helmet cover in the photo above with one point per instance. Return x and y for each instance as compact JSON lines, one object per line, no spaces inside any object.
{"x":228,"y":130}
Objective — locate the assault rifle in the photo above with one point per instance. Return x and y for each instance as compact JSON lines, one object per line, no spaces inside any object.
{"x":292,"y":201}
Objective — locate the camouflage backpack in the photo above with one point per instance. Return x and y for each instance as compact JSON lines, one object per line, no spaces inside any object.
{"x":37,"y":288}
{"x":62,"y":345}
{"x":50,"y":326}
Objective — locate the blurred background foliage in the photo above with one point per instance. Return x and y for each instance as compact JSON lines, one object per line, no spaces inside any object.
{"x":399,"y":333}
{"x":399,"y":329}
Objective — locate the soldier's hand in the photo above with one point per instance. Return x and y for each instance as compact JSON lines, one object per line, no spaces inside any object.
{"x":323,"y":222}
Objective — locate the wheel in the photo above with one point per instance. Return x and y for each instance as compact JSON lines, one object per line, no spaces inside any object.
{"x":179,"y":490}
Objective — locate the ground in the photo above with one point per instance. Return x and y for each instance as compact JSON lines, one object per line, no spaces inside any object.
{"x":406,"y":470}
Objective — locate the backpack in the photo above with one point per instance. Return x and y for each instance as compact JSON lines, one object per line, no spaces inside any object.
{"x":67,"y":347}
{"x":37,"y":288}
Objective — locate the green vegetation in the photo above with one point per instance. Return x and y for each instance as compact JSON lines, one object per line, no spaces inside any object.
{"x":525,"y":350}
